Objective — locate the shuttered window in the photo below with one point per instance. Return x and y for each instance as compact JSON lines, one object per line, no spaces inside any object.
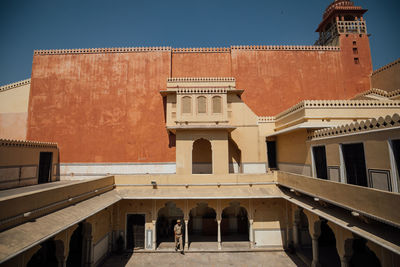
{"x":201,"y":104}
{"x":186,"y":104}
{"x":216,"y":104}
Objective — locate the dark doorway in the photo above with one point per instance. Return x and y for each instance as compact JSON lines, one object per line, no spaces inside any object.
{"x":75,"y":248}
{"x":45,"y":256}
{"x":321,"y":169}
{"x":135,"y":231}
{"x":327,"y":246}
{"x":396,"y":154}
{"x":45,"y":167}
{"x":202,"y":157}
{"x":271,"y":153}
{"x":166,"y":220}
{"x":362,"y":255}
{"x":203,"y":226}
{"x":354,"y":161}
{"x":234,"y":223}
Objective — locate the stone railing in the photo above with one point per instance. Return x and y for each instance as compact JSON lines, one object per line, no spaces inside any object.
{"x":397,"y":61}
{"x":267,"y":119}
{"x":338,"y":104}
{"x":201,"y":91}
{"x":202,"y":79}
{"x":14,"y":85}
{"x":379,"y":92}
{"x":357,"y":127}
{"x":365,"y":201}
{"x":101,"y":50}
{"x":351,"y":27}
{"x":286,"y":47}
{"x":201,"y":50}
{"x":22,"y":143}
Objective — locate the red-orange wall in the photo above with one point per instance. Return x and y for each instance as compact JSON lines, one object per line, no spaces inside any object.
{"x":101,"y":107}
{"x":106,"y":107}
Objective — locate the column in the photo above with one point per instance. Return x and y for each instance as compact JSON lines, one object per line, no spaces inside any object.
{"x":251,"y":233}
{"x":344,"y":261}
{"x":186,"y":234}
{"x":154,"y":234}
{"x":219,"y":234}
{"x":296,"y":225}
{"x":315,"y":251}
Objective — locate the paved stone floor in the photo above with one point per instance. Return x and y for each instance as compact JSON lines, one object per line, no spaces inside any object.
{"x":273,"y":259}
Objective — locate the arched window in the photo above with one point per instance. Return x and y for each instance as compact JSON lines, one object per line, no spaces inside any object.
{"x":216,"y":104}
{"x":186,"y":104}
{"x":201,"y":104}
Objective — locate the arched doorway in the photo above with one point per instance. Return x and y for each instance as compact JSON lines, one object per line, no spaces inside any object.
{"x":362,"y":255}
{"x":328,"y":255}
{"x":203,"y":226}
{"x":202,"y":157}
{"x":166,"y":220}
{"x":234,"y":223}
{"x":75,"y":247}
{"x":45,"y":256}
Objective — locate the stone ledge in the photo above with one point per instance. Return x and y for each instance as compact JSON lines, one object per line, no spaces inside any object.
{"x":24,"y":143}
{"x":14,"y":85}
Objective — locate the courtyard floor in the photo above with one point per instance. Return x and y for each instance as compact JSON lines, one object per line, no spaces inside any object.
{"x":192,"y":259}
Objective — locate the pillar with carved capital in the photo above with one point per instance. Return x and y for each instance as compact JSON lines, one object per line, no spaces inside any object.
{"x":251,"y":233}
{"x":219,"y":234}
{"x":186,"y":234}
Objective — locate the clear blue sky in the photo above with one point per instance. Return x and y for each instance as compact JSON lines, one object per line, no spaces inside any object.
{"x":53,"y":24}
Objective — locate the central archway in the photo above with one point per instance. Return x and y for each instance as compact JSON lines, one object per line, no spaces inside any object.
{"x":234,"y":223}
{"x":202,"y":157}
{"x":203,"y":226}
{"x":328,"y":255}
{"x":166,"y":220}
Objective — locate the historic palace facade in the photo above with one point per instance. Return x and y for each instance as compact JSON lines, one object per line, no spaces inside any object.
{"x":283,"y":147}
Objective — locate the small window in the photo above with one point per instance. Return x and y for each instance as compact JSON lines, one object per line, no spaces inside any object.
{"x":216,"y":104}
{"x":202,"y":104}
{"x":186,"y":104}
{"x":354,"y":43}
{"x":356,"y":60}
{"x":355,"y":51}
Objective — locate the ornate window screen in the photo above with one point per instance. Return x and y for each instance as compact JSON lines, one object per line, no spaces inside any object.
{"x":201,"y":104}
{"x":216,"y":104}
{"x":186,"y":104}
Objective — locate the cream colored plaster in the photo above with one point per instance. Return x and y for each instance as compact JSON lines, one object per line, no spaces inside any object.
{"x":332,"y":155}
{"x":292,"y":148}
{"x":377,"y":155}
{"x":15,"y":100}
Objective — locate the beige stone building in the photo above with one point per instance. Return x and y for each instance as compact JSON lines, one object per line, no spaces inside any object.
{"x":169,"y":141}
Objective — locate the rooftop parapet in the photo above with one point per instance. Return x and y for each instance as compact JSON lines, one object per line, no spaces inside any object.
{"x":24,"y":143}
{"x":358,"y":127}
{"x":14,"y":85}
{"x":387,"y":66}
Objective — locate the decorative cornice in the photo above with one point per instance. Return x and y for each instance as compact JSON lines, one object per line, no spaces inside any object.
{"x":363,"y":126}
{"x":286,"y":47}
{"x":388,"y":66}
{"x":339,"y":104}
{"x":201,"y":50}
{"x":202,"y":91}
{"x":266,"y":119}
{"x":101,"y":50}
{"x":14,"y":85}
{"x":23,"y":143}
{"x":202,"y":79}
{"x":186,"y":50}
{"x":379,"y":92}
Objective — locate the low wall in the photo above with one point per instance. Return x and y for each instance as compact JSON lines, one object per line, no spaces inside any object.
{"x":364,"y":200}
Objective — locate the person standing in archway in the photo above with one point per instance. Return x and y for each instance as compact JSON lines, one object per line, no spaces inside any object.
{"x":178,"y":236}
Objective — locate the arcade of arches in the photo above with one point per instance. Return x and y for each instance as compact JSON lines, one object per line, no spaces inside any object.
{"x":251,"y":223}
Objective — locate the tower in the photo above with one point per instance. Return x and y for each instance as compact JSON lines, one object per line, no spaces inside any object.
{"x":341,"y":17}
